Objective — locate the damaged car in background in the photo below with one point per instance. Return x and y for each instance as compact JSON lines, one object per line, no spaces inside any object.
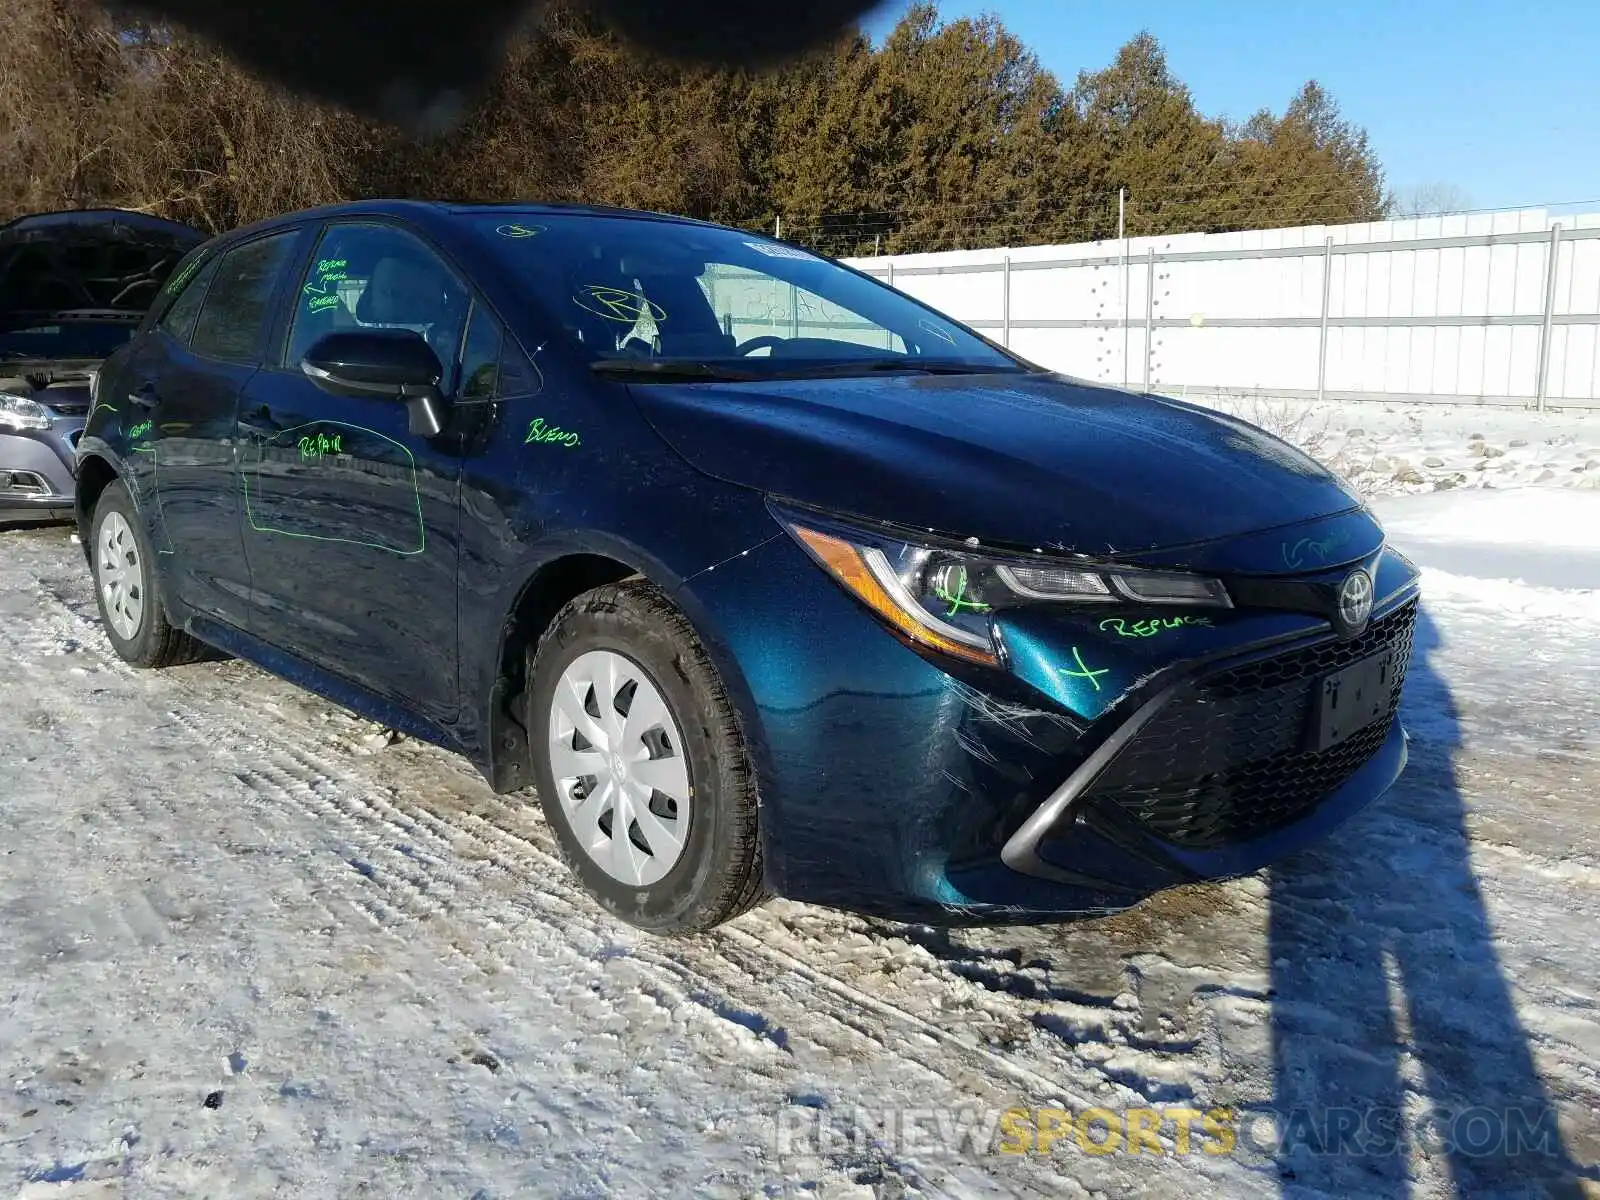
{"x":73,"y":287}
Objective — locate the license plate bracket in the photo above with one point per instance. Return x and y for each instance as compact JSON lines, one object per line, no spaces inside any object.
{"x":1350,"y":699}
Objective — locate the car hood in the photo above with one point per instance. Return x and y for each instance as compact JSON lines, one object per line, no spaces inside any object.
{"x":96,"y":264}
{"x":1034,"y":461}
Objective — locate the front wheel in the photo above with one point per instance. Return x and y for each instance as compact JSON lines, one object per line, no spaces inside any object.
{"x":125,"y":587}
{"x":640,"y":763}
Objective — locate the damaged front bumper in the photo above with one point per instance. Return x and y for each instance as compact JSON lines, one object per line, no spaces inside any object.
{"x":1100,"y":768}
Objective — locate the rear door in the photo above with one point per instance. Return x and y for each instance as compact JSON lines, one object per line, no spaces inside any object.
{"x":350,"y":519}
{"x":179,"y":408}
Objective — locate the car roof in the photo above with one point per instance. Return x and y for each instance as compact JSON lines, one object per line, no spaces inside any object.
{"x":579,"y":210}
{"x":426,"y":209}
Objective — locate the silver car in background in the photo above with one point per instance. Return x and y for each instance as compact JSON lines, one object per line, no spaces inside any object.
{"x":73,"y":287}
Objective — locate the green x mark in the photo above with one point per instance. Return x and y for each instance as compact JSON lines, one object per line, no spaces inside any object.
{"x":959,"y":601}
{"x":1083,"y":671}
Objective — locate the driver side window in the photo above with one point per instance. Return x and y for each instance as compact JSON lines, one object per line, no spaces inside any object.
{"x":367,"y":276}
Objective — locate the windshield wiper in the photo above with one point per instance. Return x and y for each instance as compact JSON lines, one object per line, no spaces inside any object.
{"x":924,"y":366}
{"x":668,"y":368}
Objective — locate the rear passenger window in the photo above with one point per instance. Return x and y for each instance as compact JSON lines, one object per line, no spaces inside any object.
{"x":179,"y":319}
{"x":232,"y":321}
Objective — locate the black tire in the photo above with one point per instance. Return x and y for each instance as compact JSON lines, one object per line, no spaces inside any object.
{"x":719,"y":874}
{"x":155,"y":643}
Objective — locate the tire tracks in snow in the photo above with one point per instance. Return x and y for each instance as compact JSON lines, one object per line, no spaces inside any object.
{"x":453,"y":858}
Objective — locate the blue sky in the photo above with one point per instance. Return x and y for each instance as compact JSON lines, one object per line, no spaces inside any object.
{"x":1501,"y":100}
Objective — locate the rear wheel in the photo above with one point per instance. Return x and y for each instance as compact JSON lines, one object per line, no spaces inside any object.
{"x":125,"y":587}
{"x":640,"y":764}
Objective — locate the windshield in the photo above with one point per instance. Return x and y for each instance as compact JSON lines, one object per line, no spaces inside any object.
{"x":658,"y":299}
{"x":64,"y":341}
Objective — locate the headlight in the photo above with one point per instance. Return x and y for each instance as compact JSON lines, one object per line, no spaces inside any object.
{"x":19,"y":412}
{"x":944,"y":598}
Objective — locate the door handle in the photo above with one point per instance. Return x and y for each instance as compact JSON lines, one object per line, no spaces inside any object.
{"x":145,"y":397}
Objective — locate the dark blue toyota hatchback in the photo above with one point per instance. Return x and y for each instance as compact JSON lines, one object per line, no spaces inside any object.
{"x":768,"y":578}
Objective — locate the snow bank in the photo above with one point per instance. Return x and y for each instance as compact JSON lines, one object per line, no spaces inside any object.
{"x":1395,"y":449}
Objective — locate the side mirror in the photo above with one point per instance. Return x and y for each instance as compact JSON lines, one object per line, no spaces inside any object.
{"x":396,"y":364}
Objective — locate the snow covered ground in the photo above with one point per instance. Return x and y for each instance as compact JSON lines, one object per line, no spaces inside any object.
{"x":248,"y":949}
{"x":1397,"y":448}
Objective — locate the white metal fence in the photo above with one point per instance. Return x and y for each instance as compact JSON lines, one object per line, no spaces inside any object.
{"x":1498,"y":308}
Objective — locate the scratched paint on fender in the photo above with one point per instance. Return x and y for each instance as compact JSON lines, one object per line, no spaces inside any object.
{"x":1078,"y":677}
{"x":155,"y":490}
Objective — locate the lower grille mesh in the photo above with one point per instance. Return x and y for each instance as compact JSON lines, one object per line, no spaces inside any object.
{"x":1225,"y":759}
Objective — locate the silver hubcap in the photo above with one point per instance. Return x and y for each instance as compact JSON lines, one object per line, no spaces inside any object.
{"x":619,"y":767}
{"x":121,"y":572}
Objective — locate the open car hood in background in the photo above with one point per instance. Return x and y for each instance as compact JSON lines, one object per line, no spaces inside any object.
{"x":87,"y":265}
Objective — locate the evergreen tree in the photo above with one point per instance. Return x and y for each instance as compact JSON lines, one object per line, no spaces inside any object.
{"x":949,"y":134}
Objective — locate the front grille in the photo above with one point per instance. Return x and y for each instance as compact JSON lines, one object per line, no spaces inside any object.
{"x":1225,"y":759}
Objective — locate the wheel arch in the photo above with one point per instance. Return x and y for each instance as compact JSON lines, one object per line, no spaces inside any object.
{"x":95,"y":474}
{"x":543,"y":594}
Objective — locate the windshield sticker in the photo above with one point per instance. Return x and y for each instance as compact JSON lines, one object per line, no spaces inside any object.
{"x":278,"y":497}
{"x":516,"y":229}
{"x":538,"y":431}
{"x":1155,"y":625}
{"x":1083,"y":671}
{"x":937,"y":332}
{"x":774,"y":250}
{"x":323,"y":293}
{"x":615,"y":304}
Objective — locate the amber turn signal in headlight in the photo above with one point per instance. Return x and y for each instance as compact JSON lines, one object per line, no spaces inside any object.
{"x":865,"y":572}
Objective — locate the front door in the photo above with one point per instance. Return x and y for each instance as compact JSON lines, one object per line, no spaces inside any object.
{"x":350,"y":520}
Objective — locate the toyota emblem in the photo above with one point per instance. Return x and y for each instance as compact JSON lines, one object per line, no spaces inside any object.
{"x":1355,"y":602}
